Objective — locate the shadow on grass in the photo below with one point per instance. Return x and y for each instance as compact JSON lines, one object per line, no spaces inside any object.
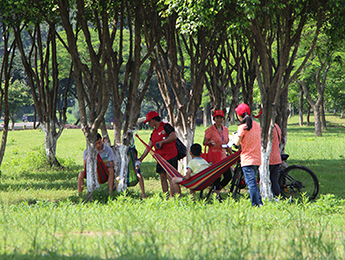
{"x":328,"y":172}
{"x":148,"y":170}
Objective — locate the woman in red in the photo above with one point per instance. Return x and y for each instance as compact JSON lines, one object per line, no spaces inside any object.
{"x":165,"y":143}
{"x":249,"y":137}
{"x":217,"y":137}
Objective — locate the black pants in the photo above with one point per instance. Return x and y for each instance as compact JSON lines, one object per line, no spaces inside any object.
{"x":274,"y":175}
{"x":172,"y":161}
{"x":227,"y":176}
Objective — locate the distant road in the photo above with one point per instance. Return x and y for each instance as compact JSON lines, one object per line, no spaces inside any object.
{"x":19,"y":126}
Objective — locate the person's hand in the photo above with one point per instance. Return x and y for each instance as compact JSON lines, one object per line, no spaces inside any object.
{"x":212,"y":143}
{"x":137,"y":163}
{"x":159,"y":145}
{"x":229,"y":150}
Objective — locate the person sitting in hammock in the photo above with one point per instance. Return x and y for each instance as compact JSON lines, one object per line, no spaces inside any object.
{"x":107,"y":156}
{"x":196,"y":165}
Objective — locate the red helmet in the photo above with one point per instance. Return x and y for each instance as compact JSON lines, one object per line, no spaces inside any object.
{"x":242,"y":108}
{"x":218,"y":113}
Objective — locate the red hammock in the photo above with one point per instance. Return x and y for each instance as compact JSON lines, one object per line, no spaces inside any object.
{"x":202,"y":179}
{"x":102,"y":170}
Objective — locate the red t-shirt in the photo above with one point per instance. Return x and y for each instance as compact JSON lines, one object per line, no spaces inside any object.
{"x":218,"y":137}
{"x":275,"y":157}
{"x":168,"y":151}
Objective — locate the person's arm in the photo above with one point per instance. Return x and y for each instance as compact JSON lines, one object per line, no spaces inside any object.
{"x":142,"y":157}
{"x":111,"y":176}
{"x":110,"y":165}
{"x":236,"y":139}
{"x":172,"y":137}
{"x":188,"y":173}
{"x":209,"y":142}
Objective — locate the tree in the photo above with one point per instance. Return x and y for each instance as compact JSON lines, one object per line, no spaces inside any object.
{"x":315,"y":74}
{"x":181,"y":57}
{"x":274,"y":30}
{"x":18,"y":96}
{"x":104,"y":73}
{"x":6,"y":67}
{"x":41,"y":67}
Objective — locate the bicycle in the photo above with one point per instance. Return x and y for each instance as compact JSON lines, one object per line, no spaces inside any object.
{"x":294,"y":181}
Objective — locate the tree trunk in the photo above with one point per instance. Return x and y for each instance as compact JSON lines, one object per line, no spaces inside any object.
{"x":91,"y":167}
{"x":282,"y":118}
{"x":207,"y":115}
{"x":308,"y":116}
{"x":265,"y":181}
{"x":50,"y":141}
{"x":317,"y":118}
{"x":13,"y":122}
{"x":122,"y":184}
{"x":106,"y":139}
{"x":6,"y":72}
{"x":300,"y":108}
{"x":35,"y":115}
{"x":342,"y":114}
{"x":323,"y":116}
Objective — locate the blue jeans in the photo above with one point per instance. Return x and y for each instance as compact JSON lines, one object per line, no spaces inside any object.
{"x":250,"y":179}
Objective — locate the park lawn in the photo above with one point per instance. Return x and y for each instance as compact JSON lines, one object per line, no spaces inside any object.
{"x":43,"y":216}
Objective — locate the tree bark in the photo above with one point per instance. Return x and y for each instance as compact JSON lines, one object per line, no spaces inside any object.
{"x":300,"y":108}
{"x":5,"y":74}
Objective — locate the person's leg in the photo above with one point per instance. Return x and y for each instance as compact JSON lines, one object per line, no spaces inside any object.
{"x":163,"y":177}
{"x":274,"y":175}
{"x":227,"y":176}
{"x":142,"y":187}
{"x":250,"y":179}
{"x":216,"y":186}
{"x":192,"y":192}
{"x":111,"y":179}
{"x":177,"y":180}
{"x":164,"y":183}
{"x":174,"y":188}
{"x":81,"y":177}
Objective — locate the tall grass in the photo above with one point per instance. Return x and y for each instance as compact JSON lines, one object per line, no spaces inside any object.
{"x":42,"y":216}
{"x":155,"y":228}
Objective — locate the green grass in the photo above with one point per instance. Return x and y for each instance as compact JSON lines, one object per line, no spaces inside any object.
{"x":42,"y":216}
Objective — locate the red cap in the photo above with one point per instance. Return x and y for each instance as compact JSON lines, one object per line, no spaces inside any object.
{"x":218,"y":113}
{"x":150,"y":115}
{"x":242,"y":108}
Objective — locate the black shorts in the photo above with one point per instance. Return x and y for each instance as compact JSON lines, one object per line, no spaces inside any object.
{"x":172,"y":161}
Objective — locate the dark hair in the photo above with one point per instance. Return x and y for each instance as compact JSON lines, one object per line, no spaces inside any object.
{"x":248,"y":121}
{"x":196,"y":149}
{"x":157,"y":118}
{"x":98,"y":136}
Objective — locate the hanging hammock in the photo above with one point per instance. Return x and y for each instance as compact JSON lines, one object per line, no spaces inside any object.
{"x":102,"y":171}
{"x":202,"y":179}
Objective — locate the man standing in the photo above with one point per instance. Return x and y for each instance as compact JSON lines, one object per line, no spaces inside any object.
{"x":163,"y":138}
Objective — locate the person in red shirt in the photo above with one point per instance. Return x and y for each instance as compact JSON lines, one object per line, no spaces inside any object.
{"x":217,"y":138}
{"x":249,"y":136}
{"x":275,"y":161}
{"x":165,"y":144}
